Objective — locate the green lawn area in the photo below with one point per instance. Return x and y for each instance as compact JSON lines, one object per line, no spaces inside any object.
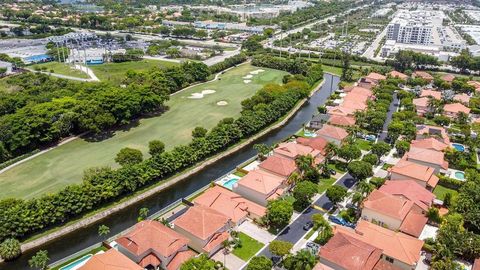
{"x":440,"y":192}
{"x":386,"y":166}
{"x":61,"y":68}
{"x":249,"y":247}
{"x":115,"y":72}
{"x":363,"y":144}
{"x":337,"y":166}
{"x":309,"y":234}
{"x":331,"y":69}
{"x":325,"y":183}
{"x":65,"y":164}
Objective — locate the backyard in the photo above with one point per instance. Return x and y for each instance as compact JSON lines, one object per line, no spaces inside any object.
{"x":65,"y":164}
{"x":440,"y":192}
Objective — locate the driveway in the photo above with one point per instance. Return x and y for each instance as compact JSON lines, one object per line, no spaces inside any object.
{"x":229,"y":260}
{"x":252,"y":230}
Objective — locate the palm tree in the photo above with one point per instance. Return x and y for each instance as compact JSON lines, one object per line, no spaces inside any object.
{"x":103,"y":230}
{"x":10,"y":249}
{"x":39,"y":260}
{"x":330,"y":150}
{"x":304,"y":163}
{"x":365,"y":188}
{"x":303,"y":260}
{"x":293,"y":178}
{"x":357,"y":198}
{"x":142,"y":214}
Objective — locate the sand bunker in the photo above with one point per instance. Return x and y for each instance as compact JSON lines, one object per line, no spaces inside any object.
{"x":222,"y":103}
{"x":208,"y":91}
{"x":255,"y":72}
{"x":249,"y":76}
{"x":247,"y":81}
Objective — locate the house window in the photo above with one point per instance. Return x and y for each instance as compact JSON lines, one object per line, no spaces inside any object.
{"x":388,"y":259}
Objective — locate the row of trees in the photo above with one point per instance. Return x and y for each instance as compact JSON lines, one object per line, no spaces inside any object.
{"x":227,"y":63}
{"x":47,"y":110}
{"x":20,"y":218}
{"x":406,"y":60}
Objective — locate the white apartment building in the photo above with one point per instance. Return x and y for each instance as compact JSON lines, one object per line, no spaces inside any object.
{"x":414,"y":27}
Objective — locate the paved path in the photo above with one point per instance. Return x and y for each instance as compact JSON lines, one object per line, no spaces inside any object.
{"x":62,"y":76}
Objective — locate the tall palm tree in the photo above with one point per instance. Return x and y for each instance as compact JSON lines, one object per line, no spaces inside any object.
{"x":303,"y":260}
{"x":364,"y":187}
{"x":304,"y":163}
{"x":330,"y":150}
{"x":10,"y":249}
{"x":293,"y":178}
{"x":357,"y":198}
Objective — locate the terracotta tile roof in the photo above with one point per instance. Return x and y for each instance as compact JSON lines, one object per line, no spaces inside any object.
{"x":422,"y":102}
{"x":180,"y":258}
{"x":277,"y":194}
{"x":456,"y":108}
{"x":397,"y":245}
{"x":396,"y":74}
{"x":340,"y":110}
{"x":349,"y":252}
{"x":413,"y":224}
{"x":338,"y":120}
{"x":448,"y":78}
{"x":463,"y":98}
{"x":201,"y":221}
{"x":476,"y":264}
{"x":150,"y":259}
{"x":429,"y":143}
{"x":293,"y":150}
{"x":279,"y":165}
{"x":431,"y":93}
{"x":216,"y":240}
{"x":355,"y":101}
{"x":474,"y":84}
{"x":411,"y":190}
{"x":321,"y":266}
{"x":152,"y":235}
{"x":388,"y":204}
{"x":434,"y":131}
{"x":384,"y":265}
{"x":413,"y":171}
{"x":426,"y":155}
{"x":110,"y":260}
{"x":317,"y":143}
{"x":333,"y":132}
{"x":229,"y":203}
{"x":423,"y":75}
{"x":357,"y":90}
{"x":261,"y":181}
{"x":375,"y":77}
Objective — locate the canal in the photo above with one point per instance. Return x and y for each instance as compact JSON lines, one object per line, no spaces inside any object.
{"x":127,"y":217}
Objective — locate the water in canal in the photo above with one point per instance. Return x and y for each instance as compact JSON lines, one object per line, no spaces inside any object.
{"x":125,"y":218}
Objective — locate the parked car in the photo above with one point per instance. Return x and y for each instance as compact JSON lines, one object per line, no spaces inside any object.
{"x":313,"y":247}
{"x":308,"y":225}
{"x":340,"y":221}
{"x":371,"y":138}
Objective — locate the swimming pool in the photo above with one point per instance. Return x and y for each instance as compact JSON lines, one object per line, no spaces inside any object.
{"x":229,"y":184}
{"x":77,"y":264}
{"x":458,"y":147}
{"x":228,"y":181}
{"x":460,"y":175}
{"x":308,"y":133}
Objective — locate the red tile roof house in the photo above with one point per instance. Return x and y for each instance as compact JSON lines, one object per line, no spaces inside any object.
{"x":410,"y":190}
{"x":332,"y":134}
{"x":399,"y":250}
{"x":422,"y":74}
{"x":232,"y":205}
{"x":462,"y":98}
{"x":431,"y":93}
{"x":260,"y":186}
{"x":359,"y":91}
{"x":150,"y":243}
{"x":424,"y":131}
{"x":205,"y":227}
{"x":292,"y":150}
{"x":448,"y":78}
{"x":475,"y":84}
{"x":110,"y":260}
{"x":375,"y":77}
{"x":421,"y":105}
{"x":396,"y":74}
{"x":394,"y":213}
{"x":342,"y":121}
{"x":476,"y":264}
{"x":452,"y":110}
{"x":278,"y":166}
{"x":422,"y":175}
{"x":317,"y":143}
{"x":429,"y":143}
{"x":427,"y":157}
{"x":341,"y":111}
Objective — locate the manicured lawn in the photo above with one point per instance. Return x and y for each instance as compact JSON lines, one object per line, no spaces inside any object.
{"x":363,"y":144}
{"x":386,"y":166}
{"x":115,"y":72}
{"x":61,"y":68}
{"x":331,"y":69}
{"x":337,"y":166}
{"x":239,"y":173}
{"x":249,"y":247}
{"x":64,"y":165}
{"x":440,"y":192}
{"x":324,"y":184}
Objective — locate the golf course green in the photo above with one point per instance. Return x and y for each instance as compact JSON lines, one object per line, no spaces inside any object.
{"x":188,"y":109}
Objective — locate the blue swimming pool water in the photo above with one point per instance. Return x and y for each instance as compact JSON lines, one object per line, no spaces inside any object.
{"x":229,"y":184}
{"x":458,"y":147}
{"x":38,"y":58}
{"x":460,"y":175}
{"x":75,"y":264}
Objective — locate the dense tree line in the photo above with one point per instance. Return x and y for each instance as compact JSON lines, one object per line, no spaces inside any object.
{"x":46,"y":110}
{"x":295,"y":66}
{"x":21,"y":218}
{"x":227,"y":63}
{"x":407,"y":60}
{"x":465,"y":61}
